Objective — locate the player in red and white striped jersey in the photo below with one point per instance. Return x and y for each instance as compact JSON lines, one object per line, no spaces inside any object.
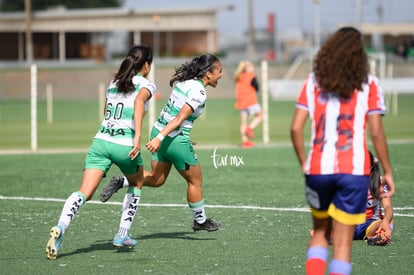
{"x":341,"y":99}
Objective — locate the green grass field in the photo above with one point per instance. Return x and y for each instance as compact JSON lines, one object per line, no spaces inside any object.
{"x":75,"y":123}
{"x":260,"y":202}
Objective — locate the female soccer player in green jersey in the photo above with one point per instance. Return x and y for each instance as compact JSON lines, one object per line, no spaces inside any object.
{"x":118,"y":141}
{"x":170,"y":136}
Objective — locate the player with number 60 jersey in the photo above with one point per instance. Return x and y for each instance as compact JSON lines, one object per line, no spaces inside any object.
{"x":118,"y":125}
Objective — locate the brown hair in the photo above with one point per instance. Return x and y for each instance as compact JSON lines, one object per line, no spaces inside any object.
{"x":341,"y":65}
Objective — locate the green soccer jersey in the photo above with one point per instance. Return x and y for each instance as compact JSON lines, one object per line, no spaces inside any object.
{"x":191,"y":92}
{"x":118,"y":124}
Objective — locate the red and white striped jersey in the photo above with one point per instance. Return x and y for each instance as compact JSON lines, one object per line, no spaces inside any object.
{"x":374,"y":208}
{"x":338,"y":127}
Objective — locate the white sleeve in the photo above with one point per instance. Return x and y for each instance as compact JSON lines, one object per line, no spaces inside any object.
{"x":196,"y":98}
{"x":150,"y":87}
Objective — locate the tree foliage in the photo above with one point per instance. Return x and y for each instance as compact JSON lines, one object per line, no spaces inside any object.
{"x":18,"y":5}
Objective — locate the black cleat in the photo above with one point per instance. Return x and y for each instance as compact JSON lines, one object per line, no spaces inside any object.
{"x":209,"y":225}
{"x":116,"y":183}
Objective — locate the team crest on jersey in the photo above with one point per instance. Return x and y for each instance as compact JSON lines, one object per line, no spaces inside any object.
{"x":323,"y":97}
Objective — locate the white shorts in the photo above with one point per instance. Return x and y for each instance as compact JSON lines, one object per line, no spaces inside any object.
{"x":252,"y":110}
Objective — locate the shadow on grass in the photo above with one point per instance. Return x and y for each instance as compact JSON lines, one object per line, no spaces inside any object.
{"x":176,"y":235}
{"x":100,"y":245}
{"x":107,"y":244}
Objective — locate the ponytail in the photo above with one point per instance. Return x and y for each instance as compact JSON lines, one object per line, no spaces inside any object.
{"x":130,"y":66}
{"x":195,"y":69}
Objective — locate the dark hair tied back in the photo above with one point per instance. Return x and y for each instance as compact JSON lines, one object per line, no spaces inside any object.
{"x":195,"y":69}
{"x":131,"y":65}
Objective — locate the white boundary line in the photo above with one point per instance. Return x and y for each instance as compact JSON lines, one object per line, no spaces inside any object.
{"x":281,"y":209}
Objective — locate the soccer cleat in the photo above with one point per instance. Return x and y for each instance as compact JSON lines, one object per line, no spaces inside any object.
{"x":54,"y":243}
{"x":209,"y":225}
{"x":248,"y":144}
{"x":126,"y":241}
{"x":116,"y":183}
{"x":249,"y":133}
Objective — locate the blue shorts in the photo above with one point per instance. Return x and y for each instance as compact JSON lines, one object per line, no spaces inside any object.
{"x":361,"y":229}
{"x":340,"y":196}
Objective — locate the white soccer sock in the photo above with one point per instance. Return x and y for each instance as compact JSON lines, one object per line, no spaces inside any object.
{"x":129,"y":209}
{"x":70,"y":208}
{"x":199,"y":212}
